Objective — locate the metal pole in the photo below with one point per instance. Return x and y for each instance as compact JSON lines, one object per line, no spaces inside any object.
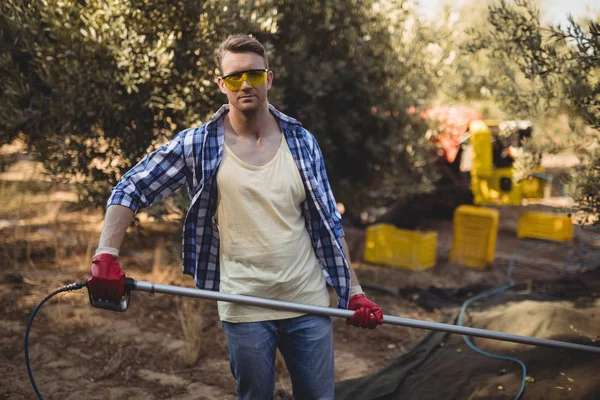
{"x":336,"y":312}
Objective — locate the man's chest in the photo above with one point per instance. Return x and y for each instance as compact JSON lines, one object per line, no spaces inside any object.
{"x":255,"y":152}
{"x":269,"y":176}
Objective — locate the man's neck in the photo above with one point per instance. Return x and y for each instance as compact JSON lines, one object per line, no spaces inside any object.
{"x":249,"y":124}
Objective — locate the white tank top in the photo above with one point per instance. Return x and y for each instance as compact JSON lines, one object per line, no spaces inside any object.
{"x":265,"y":249}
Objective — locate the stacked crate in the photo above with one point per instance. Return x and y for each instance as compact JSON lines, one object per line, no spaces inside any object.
{"x":385,"y":244}
{"x":475,"y":232}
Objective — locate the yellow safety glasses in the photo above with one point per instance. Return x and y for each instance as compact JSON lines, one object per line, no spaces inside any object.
{"x":235,"y":81}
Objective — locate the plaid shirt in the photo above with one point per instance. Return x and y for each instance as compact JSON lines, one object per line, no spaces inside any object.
{"x":193,"y":157}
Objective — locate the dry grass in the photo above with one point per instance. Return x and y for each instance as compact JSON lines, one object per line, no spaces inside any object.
{"x":191,"y":319}
{"x":118,"y":362}
{"x":283,"y":377}
{"x":161,"y":272}
{"x":190,"y":311}
{"x":39,"y":228}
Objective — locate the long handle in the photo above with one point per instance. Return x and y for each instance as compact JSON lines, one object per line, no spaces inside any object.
{"x":336,"y":312}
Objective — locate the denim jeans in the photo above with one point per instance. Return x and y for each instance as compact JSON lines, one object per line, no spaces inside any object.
{"x":306,"y":344}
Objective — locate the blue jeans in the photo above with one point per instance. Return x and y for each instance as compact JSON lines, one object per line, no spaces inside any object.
{"x":306,"y":344}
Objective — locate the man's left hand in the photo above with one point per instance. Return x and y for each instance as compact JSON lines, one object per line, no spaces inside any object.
{"x":367,"y":314}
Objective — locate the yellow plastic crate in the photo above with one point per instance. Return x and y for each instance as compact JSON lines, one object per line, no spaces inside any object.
{"x":403,"y":248}
{"x":544,"y":225}
{"x":475,"y":230}
{"x":498,"y":189}
{"x":534,"y":187}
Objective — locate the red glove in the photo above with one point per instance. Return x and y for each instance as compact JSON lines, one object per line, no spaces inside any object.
{"x":108,"y":279}
{"x":367,"y":315}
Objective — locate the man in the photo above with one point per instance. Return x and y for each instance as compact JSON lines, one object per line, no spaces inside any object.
{"x":262,"y":222}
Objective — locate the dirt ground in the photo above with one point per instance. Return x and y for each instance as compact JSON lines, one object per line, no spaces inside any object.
{"x":169,"y":347}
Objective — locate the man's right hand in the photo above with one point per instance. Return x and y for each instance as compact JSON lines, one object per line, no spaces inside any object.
{"x":108,"y":279}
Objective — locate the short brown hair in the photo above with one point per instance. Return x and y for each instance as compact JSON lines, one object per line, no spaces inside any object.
{"x":241,"y":43}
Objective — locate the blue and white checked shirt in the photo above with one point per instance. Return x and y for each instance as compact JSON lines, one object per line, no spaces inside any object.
{"x":193,"y":157}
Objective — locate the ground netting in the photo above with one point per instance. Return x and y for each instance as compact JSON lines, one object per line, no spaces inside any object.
{"x":442,"y":366}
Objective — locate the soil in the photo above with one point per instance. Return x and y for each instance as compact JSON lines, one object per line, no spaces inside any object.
{"x":169,"y":347}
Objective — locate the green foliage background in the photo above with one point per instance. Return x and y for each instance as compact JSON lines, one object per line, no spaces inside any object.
{"x":93,"y":85}
{"x":545,"y":70}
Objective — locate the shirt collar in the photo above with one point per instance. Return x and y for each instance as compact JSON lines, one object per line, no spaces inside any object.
{"x":284,"y":121}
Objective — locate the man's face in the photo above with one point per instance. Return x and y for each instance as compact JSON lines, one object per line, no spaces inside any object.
{"x":248,"y":98}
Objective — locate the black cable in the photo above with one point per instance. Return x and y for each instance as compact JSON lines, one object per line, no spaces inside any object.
{"x":68,"y":288}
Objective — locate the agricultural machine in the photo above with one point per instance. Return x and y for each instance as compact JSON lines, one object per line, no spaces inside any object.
{"x":475,"y":159}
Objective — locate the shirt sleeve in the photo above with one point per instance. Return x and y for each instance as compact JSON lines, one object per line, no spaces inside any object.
{"x":156,"y":176}
{"x":329,"y":199}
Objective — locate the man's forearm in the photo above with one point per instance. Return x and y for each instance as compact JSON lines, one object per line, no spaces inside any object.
{"x":116,"y":222}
